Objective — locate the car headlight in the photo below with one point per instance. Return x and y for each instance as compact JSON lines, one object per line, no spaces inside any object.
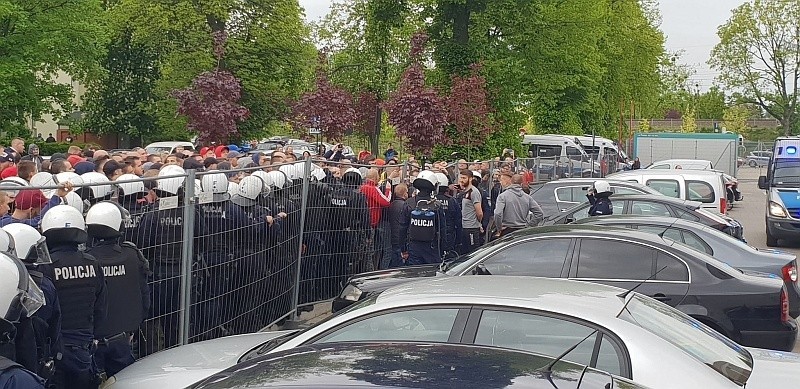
{"x":776,"y":210}
{"x":351,"y":293}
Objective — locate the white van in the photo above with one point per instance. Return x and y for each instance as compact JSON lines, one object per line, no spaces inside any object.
{"x":705,"y":186}
{"x":685,"y":164}
{"x":604,"y":148}
{"x":557,"y":153}
{"x":169,"y":147}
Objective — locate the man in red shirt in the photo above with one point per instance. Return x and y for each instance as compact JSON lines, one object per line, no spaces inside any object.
{"x":377,"y":200}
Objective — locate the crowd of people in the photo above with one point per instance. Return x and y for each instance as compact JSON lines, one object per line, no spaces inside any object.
{"x":109,"y":241}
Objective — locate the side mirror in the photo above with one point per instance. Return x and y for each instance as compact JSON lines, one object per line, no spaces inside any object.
{"x":480,"y":270}
{"x":762,"y":182}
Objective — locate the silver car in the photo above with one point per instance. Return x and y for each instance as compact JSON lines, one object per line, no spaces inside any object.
{"x":626,"y":334}
{"x":758,"y":158}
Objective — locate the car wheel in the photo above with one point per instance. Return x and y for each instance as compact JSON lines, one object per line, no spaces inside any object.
{"x":753,"y":163}
{"x":771,"y":240}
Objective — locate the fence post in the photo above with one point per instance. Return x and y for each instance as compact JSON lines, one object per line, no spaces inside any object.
{"x":303,"y":209}
{"x":187,"y":258}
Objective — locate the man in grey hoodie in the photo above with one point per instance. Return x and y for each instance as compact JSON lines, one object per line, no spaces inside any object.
{"x":515,"y":209}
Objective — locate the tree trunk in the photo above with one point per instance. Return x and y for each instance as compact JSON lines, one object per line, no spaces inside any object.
{"x":786,"y":123}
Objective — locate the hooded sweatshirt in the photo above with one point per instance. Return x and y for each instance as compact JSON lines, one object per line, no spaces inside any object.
{"x":513,"y":206}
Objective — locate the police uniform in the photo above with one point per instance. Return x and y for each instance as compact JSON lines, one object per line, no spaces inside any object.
{"x":282,"y":257}
{"x":423,"y":221}
{"x":600,"y":205}
{"x":451,"y":233}
{"x":14,"y":376}
{"x":137,"y":210}
{"x":81,"y":289}
{"x":125,"y":270}
{"x":38,"y":338}
{"x":346,"y":237}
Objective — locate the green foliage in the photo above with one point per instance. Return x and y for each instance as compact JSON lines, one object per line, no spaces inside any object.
{"x":40,"y":40}
{"x":689,"y":123}
{"x":711,"y":104}
{"x":735,"y":118}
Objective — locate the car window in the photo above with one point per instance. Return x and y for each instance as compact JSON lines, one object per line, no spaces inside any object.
{"x":692,"y":240}
{"x":668,"y":233}
{"x":700,"y":191}
{"x":541,"y":258}
{"x":625,"y":191}
{"x":659,"y":167}
{"x":674,"y":269}
{"x":610,"y":259}
{"x":574,"y":153}
{"x":428,"y":324}
{"x":583,"y":213}
{"x":571,"y":194}
{"x":546,"y":151}
{"x":545,"y":335}
{"x":647,"y":208}
{"x":669,"y":188}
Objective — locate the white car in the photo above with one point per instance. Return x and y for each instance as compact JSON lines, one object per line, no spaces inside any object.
{"x":626,"y":334}
{"x":168,"y":147}
{"x":687,"y":164}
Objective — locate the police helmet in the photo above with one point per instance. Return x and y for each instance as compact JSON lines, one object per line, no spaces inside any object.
{"x":171,"y":186}
{"x":64,"y":224}
{"x":216,"y":183}
{"x":74,"y":200}
{"x":198,"y":186}
{"x":426,"y":181}
{"x":20,"y":297}
{"x":28,"y":245}
{"x":317,"y":173}
{"x":44,"y":179}
{"x":288,"y":170}
{"x":7,"y":242}
{"x":106,"y":219}
{"x":71,"y":177}
{"x":100,"y":191}
{"x":131,"y":188}
{"x":233,"y":188}
{"x":278,"y":179}
{"x":13,"y":182}
{"x":602,"y":187}
{"x":352,"y":177}
{"x":442,"y":180}
{"x":267,"y":179}
{"x":248,"y":191}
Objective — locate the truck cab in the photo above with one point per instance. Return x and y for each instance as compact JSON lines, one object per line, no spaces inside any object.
{"x":782,"y":184}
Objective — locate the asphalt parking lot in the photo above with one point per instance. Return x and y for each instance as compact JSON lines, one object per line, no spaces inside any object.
{"x":750,"y":212}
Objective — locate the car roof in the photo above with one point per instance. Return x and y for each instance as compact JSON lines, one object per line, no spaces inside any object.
{"x":578,"y":298}
{"x":638,"y":219}
{"x":590,"y":181}
{"x":657,"y":198}
{"x":169,"y":143}
{"x":685,"y":160}
{"x":665,"y":172}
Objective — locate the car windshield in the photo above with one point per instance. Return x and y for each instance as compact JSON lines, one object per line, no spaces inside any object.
{"x":462,"y":263}
{"x":158,"y":150}
{"x":786,"y":171}
{"x":714,"y":350}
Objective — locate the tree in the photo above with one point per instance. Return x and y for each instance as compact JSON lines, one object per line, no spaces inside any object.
{"x":759,"y":56}
{"x":468,"y":109}
{"x":416,"y":111}
{"x":689,"y":123}
{"x":328,"y":107}
{"x":711,"y":104}
{"x":211,"y":104}
{"x":39,"y":39}
{"x":735,"y":118}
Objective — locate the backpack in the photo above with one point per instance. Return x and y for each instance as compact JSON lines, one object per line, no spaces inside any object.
{"x":424,"y":223}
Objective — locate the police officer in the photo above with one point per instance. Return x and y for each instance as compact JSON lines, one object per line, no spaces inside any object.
{"x":424,"y":222}
{"x":347,"y":232}
{"x":598,"y":196}
{"x":125,"y":270}
{"x":131,"y":196}
{"x":451,"y":233}
{"x":19,"y":298}
{"x":81,"y":290}
{"x":162,"y":237}
{"x":100,"y":189}
{"x":38,"y":337}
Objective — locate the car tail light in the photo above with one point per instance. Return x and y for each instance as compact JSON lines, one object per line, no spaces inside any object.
{"x":723,"y":205}
{"x":784,"y":306}
{"x":789,"y":272}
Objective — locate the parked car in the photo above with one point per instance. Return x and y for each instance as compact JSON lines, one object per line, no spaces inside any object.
{"x":686,"y":164}
{"x":626,"y":334}
{"x":716,"y":244}
{"x":705,"y":186}
{"x":167,"y":147}
{"x":559,"y":156}
{"x":652,"y":205}
{"x":758,"y":158}
{"x":557,"y":196}
{"x":745,"y":307}
{"x":410,"y":365}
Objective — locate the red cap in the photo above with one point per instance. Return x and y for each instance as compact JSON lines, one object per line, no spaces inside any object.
{"x":10,"y":171}
{"x":218,"y":150}
{"x":30,"y":198}
{"x":203,"y":151}
{"x":380,"y":162}
{"x":74,"y":159}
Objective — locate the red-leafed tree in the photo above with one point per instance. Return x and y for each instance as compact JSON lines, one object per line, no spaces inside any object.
{"x":211,"y":103}
{"x":417,"y":112}
{"x":366,"y":106}
{"x":468,"y":109}
{"x":327,"y":107}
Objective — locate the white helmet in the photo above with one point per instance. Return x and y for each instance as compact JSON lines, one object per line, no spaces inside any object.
{"x":249,"y":189}
{"x":130,"y":188}
{"x":317,"y":173}
{"x":28,"y":244}
{"x":44,"y":179}
{"x":216,"y":183}
{"x":19,"y":295}
{"x":72,"y":177}
{"x":442,"y":180}
{"x":173,"y":184}
{"x":13,"y":182}
{"x":74,"y":200}
{"x":7,"y":243}
{"x":106,"y":219}
{"x":198,"y":186}
{"x":299,"y":170}
{"x":99,"y":192}
{"x":602,"y":186}
{"x":428,"y":176}
{"x":63,"y":223}
{"x":233,"y":188}
{"x":278,"y":179}
{"x":289,"y":171}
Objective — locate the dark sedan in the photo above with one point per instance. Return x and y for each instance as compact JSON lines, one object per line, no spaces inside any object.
{"x":750,"y":309}
{"x":653,"y":205}
{"x":557,"y":196}
{"x":410,"y":365}
{"x":716,"y":244}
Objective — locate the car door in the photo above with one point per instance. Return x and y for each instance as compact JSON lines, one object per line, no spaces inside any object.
{"x":583,"y":213}
{"x":547,"y":333}
{"x":542,"y":257}
{"x":625,"y":264}
{"x":569,"y":196}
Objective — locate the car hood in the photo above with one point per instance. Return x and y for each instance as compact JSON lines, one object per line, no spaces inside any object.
{"x":182,"y":366}
{"x":773,"y":369}
{"x":393,"y":276}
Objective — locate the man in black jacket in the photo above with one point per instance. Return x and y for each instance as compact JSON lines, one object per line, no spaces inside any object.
{"x":395,"y":221}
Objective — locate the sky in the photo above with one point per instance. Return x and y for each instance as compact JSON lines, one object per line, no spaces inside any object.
{"x":690,"y":25}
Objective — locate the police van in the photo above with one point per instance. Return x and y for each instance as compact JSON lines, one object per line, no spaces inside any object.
{"x":560,"y":156}
{"x":782,"y":184}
